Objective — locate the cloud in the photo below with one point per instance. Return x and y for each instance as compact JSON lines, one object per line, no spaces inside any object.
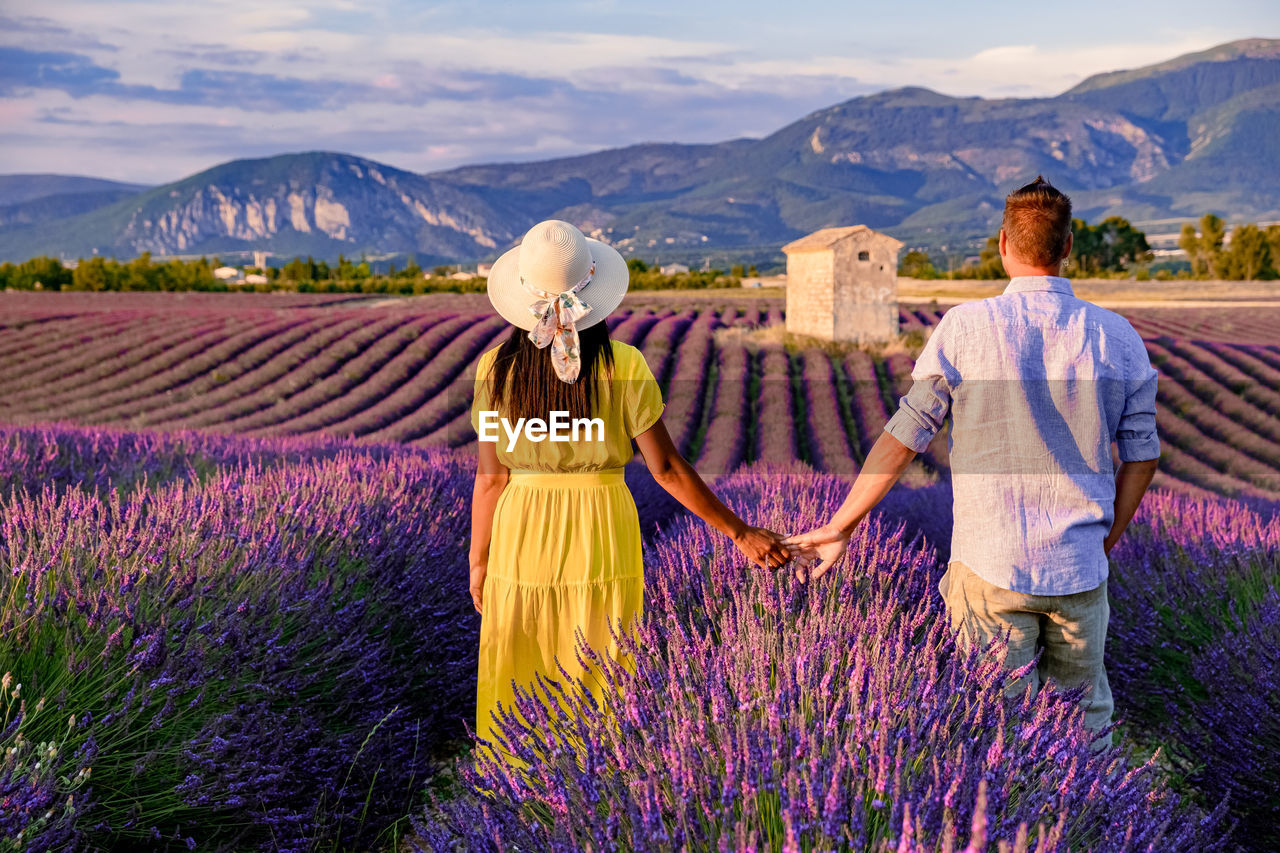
{"x":216,"y":55}
{"x":70,"y":72}
{"x":424,"y":87}
{"x":79,"y":76}
{"x":47,"y":29}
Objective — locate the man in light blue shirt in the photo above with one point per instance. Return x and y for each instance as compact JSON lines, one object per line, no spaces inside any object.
{"x":1037,"y":385}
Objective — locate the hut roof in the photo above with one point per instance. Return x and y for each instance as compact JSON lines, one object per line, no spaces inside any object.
{"x":828,"y":237}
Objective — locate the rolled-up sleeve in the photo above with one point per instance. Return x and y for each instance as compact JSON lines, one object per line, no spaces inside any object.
{"x":923,"y":409}
{"x":1136,"y":437}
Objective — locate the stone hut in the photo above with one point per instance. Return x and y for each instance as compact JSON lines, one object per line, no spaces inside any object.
{"x":842,"y":285}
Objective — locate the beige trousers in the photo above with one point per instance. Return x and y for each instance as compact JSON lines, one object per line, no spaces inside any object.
{"x":1072,"y":629}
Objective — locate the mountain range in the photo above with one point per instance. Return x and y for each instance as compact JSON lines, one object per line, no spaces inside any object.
{"x":1171,"y":141}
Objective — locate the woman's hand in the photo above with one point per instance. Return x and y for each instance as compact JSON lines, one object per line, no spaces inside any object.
{"x":479,"y":569}
{"x":491,"y":480}
{"x":824,"y":545}
{"x":762,"y":547}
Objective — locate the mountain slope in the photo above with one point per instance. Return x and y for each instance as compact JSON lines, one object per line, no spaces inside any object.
{"x":317,"y":203}
{"x":1176,"y":139}
{"x":16,"y":189}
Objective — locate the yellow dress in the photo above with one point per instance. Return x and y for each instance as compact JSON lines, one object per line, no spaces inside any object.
{"x":565,"y":552}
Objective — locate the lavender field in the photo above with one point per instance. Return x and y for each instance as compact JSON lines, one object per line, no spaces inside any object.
{"x":234,"y":611}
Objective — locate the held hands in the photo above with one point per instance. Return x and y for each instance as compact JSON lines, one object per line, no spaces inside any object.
{"x":823,"y":545}
{"x":762,"y":547}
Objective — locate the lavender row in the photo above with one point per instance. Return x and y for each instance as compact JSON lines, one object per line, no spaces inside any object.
{"x":687,"y":389}
{"x":348,"y":363}
{"x":330,"y":372}
{"x":724,"y":444}
{"x":831,"y":447}
{"x":92,"y":360}
{"x":218,"y":402}
{"x":403,"y":361}
{"x":23,"y":344}
{"x":170,"y":369}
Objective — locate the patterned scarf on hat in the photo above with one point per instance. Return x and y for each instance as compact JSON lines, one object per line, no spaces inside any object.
{"x":557,"y":314}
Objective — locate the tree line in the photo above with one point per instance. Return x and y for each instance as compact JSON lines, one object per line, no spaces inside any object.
{"x":304,"y":275}
{"x":1114,"y":248}
{"x":1252,"y":252}
{"x":1111,"y":248}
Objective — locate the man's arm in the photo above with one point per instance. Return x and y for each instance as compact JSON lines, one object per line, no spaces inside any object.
{"x":884,"y":466}
{"x":921,"y":413}
{"x":1136,"y":440}
{"x":1132,"y":480}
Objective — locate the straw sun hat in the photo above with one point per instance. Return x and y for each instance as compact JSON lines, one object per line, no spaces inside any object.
{"x":556,"y":282}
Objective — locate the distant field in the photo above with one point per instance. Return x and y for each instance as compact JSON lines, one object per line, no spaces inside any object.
{"x":400,"y":370}
{"x":1104,"y":290}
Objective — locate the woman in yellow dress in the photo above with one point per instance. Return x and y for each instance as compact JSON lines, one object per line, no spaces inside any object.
{"x":555,"y":538}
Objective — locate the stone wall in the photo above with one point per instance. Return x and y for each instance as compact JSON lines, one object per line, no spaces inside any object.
{"x":866,"y":298}
{"x":810,"y":294}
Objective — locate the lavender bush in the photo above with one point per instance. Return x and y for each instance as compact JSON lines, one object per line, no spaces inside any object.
{"x":762,"y":713}
{"x":272,"y":659}
{"x":1192,"y":654}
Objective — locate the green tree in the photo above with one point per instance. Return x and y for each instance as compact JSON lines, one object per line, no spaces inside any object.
{"x":989,"y":265}
{"x":1204,"y":246}
{"x":345,"y":269}
{"x":917,"y":264}
{"x":140,"y":275}
{"x":1249,"y":256}
{"x":1113,"y":245}
{"x":1189,"y":242}
{"x":1272,"y":235}
{"x":91,"y":274}
{"x":297,"y":270}
{"x":411,"y":269}
{"x":47,"y":272}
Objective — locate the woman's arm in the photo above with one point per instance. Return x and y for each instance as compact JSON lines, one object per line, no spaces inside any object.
{"x":491,"y":479}
{"x":677,"y":476}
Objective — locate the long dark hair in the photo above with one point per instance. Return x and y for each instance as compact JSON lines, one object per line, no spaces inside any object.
{"x":534,"y":390}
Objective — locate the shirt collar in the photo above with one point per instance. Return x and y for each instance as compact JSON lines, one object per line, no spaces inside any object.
{"x":1052,"y":283}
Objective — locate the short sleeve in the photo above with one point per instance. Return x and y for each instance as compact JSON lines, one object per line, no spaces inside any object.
{"x":480,"y":400}
{"x":1136,"y":438}
{"x":641,"y":395}
{"x":923,"y":409}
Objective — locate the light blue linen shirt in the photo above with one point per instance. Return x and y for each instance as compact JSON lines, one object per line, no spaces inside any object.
{"x":1037,"y":384}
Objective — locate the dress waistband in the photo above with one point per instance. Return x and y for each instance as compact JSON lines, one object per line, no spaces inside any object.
{"x":605,"y":477}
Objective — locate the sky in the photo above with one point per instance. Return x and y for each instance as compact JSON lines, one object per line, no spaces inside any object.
{"x":154,"y":91}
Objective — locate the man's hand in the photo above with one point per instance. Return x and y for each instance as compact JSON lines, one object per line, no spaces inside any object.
{"x":479,"y":569}
{"x":824,"y":545}
{"x":1132,"y":480}
{"x":762,"y":547}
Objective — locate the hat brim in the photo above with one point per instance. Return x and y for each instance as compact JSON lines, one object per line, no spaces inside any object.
{"x":603,"y":293}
